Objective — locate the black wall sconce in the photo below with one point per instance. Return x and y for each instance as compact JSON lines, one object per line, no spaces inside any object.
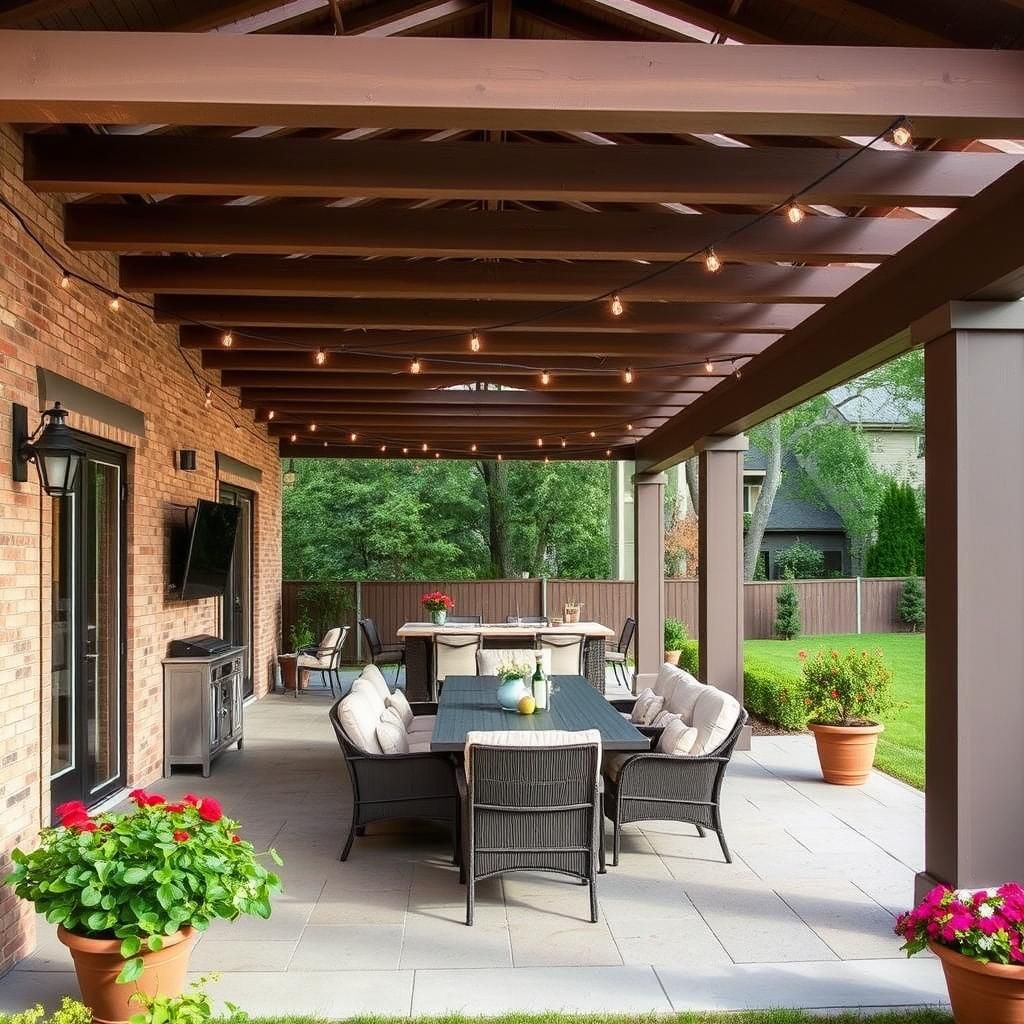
{"x":289,"y":475}
{"x":52,"y":446}
{"x":187,"y":459}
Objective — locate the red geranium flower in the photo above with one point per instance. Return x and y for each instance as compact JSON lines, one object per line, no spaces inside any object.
{"x":181,"y":836}
{"x":190,"y":798}
{"x":174,"y":808}
{"x":209,"y":809}
{"x":155,"y":800}
{"x":75,"y":819}
{"x":62,"y":810}
{"x":87,"y":826}
{"x":138,"y":796}
{"x":236,"y":839}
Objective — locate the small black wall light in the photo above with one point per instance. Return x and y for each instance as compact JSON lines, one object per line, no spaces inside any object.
{"x":52,"y":446}
{"x":187,"y":459}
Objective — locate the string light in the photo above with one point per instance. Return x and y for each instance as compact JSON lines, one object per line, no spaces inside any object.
{"x":794,"y":213}
{"x":437,"y":455}
{"x":208,"y":396}
{"x":425,"y":448}
{"x":499,"y":456}
{"x":320,"y":358}
{"x":902,"y":135}
{"x":711,"y":261}
{"x":709,"y":367}
{"x":383,"y":447}
{"x":114,"y":305}
{"x":736,"y":370}
{"x":593,"y":433}
{"x":312,"y":428}
{"x":563,"y":442}
{"x":608,"y":453}
{"x":293,"y":438}
{"x":415,"y":366}
{"x":405,"y":451}
{"x":227,"y":339}
{"x":545,"y":377}
{"x":474,"y":342}
{"x":325,"y":444}
{"x":628,"y":376}
{"x":540,"y":442}
{"x":65,"y":280}
{"x":472,"y":447}
{"x":546,"y":460}
{"x":271,"y":414}
{"x":353,"y":436}
{"x":629,"y":426}
{"x":617,"y":307}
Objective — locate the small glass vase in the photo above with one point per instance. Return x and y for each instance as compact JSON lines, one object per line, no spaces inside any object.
{"x":510,"y":692}
{"x":439,"y":616}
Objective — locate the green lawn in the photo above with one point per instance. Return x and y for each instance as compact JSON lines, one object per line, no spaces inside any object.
{"x":901,"y":746}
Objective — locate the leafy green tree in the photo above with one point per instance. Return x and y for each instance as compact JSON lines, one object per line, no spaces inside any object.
{"x":910,"y":607}
{"x":801,"y":562}
{"x":899,"y":547}
{"x":787,"y":612}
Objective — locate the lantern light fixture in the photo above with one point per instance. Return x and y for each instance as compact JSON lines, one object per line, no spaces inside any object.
{"x":53,"y":446}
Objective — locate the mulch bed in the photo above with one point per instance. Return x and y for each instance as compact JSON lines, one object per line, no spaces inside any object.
{"x":759,"y":727}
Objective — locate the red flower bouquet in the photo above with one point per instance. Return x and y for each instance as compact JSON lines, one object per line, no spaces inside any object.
{"x":437,"y":601}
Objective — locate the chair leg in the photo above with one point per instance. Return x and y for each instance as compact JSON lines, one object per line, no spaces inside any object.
{"x":700,"y":831}
{"x":470,"y":898}
{"x":351,"y":837}
{"x":602,"y":868}
{"x":593,"y":896}
{"x":616,"y":841}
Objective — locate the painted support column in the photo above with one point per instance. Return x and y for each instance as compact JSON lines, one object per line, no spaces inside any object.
{"x":720,"y":525}
{"x":649,"y":576}
{"x":974,"y":643}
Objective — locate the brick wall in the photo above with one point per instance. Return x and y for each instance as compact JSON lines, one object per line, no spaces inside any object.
{"x":125,"y":356}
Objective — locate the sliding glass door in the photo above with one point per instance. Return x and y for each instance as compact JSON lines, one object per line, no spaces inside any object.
{"x":236,"y":613}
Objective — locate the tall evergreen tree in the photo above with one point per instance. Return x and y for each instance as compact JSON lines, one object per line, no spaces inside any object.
{"x":898,"y":549}
{"x":787,"y":608}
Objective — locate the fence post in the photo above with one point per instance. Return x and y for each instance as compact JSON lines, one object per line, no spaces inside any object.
{"x":859,"y":630}
{"x":359,"y":615}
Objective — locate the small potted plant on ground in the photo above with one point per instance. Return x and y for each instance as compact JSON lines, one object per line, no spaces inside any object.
{"x":845,"y":695}
{"x":979,"y":937}
{"x":301,"y":637}
{"x":439,"y":605}
{"x":130,"y":892}
{"x":512,"y":687}
{"x":675,"y":640}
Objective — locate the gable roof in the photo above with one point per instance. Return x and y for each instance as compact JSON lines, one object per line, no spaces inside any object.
{"x":791,"y":510}
{"x":874,"y":407}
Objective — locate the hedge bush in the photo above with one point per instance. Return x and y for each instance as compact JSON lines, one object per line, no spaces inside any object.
{"x":689,"y":659}
{"x":774,"y":695}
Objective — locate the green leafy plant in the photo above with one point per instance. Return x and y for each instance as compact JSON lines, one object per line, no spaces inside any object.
{"x":71,"y":1011}
{"x":801,"y":562}
{"x":322,"y":606}
{"x":787,"y":611}
{"x":141,"y":876}
{"x":899,"y":547}
{"x":193,"y":1006}
{"x":773,"y":694}
{"x":510,"y":670}
{"x":689,"y":657}
{"x":850,"y":688}
{"x":301,"y":634}
{"x":910,"y":607}
{"x":675,"y":635}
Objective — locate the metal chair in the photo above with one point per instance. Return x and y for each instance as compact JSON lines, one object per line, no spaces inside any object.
{"x":671,"y":787}
{"x":389,"y":787}
{"x":531,"y":807}
{"x":616,"y":656}
{"x":455,"y":655}
{"x":464,"y":620}
{"x":566,"y":652}
{"x":527,"y":620}
{"x":381,"y":654}
{"x":324,"y":659}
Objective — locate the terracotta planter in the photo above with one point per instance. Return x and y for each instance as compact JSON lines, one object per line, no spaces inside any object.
{"x":98,"y":963}
{"x":846,"y":752}
{"x":672,"y":657}
{"x":982,"y":993}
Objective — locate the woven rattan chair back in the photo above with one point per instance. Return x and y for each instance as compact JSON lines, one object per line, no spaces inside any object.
{"x":566,"y":652}
{"x":454,"y":655}
{"x":371,"y":636}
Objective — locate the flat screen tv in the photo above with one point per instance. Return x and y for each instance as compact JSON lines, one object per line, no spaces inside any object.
{"x":201,"y":551}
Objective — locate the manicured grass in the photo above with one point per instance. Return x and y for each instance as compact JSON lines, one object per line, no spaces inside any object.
{"x":901,"y":746}
{"x":748,"y":1017}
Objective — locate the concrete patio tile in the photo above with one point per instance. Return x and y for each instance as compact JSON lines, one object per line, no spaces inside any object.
{"x":851,"y":983}
{"x":436,"y":937}
{"x":351,"y":947}
{"x":560,"y":934}
{"x":324,"y":995}
{"x":360,"y":906}
{"x":755,"y":925}
{"x":683,"y":937}
{"x":222,"y":954}
{"x":539,"y":990}
{"x":287,"y":921}
{"x":21,"y":989}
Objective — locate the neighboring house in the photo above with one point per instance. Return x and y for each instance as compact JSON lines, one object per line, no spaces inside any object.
{"x":893,"y":433}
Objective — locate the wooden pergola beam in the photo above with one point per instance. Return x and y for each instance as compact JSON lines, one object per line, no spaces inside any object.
{"x":461,"y":315}
{"x":337,"y":277}
{"x":314,"y":81}
{"x":489,"y":451}
{"x":425,"y":401}
{"x":306,"y":340}
{"x":866,"y":325}
{"x":323,"y":168}
{"x":278,"y":228}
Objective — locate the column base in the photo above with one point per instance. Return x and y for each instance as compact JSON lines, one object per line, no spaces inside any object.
{"x":923,"y":884}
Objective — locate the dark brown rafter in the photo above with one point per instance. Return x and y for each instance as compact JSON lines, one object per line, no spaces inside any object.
{"x":423,"y":399}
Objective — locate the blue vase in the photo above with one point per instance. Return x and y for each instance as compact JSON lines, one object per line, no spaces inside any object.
{"x":510,"y":692}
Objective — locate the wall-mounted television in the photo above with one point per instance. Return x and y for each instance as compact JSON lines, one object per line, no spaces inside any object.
{"x":201,"y":550}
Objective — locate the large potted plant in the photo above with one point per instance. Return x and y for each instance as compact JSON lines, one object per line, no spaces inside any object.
{"x":979,"y":938}
{"x":675,"y":640}
{"x":438,"y":604}
{"x":846,"y":694}
{"x":130,"y":892}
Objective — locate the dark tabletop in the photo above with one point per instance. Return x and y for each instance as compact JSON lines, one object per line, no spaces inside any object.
{"x":470,"y":703}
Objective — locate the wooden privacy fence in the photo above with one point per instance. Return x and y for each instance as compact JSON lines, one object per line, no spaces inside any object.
{"x":826,"y":606}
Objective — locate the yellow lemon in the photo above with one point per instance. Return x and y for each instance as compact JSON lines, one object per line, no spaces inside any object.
{"x":527,"y":705}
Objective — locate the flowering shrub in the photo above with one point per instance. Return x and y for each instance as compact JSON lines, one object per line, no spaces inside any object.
{"x":986,"y":925}
{"x":854,"y":688}
{"x":140,"y":876}
{"x":437,"y":601}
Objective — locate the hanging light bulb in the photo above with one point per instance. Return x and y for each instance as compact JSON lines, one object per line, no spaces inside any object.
{"x":415,"y":366}
{"x":628,"y":376}
{"x":546,"y":460}
{"x":325,"y":444}
{"x":437,"y":455}
{"x":737,"y":370}
{"x":425,"y":448}
{"x":617,"y":307}
{"x":312,"y":428}
{"x":472,"y":447}
{"x":499,"y":456}
{"x":227,"y":339}
{"x":540,"y":442}
{"x":208,"y":396}
{"x":794,"y":213}
{"x":593,"y":433}
{"x":293,"y":438}
{"x":545,"y":377}
{"x":711,"y":261}
{"x":608,"y":452}
{"x":383,"y":447}
{"x":709,"y":367}
{"x":474,"y":342}
{"x":320,"y":358}
{"x":902,"y":135}
{"x":270,"y":414}
{"x":405,"y":451}
{"x":65,"y":280}
{"x":114,"y":305}
{"x":629,"y":426}
{"x":353,"y":436}
{"x":563,"y":442}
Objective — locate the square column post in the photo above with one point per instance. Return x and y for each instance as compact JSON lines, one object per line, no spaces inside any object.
{"x":974,"y":643}
{"x":720,"y":543}
{"x":649,"y":576}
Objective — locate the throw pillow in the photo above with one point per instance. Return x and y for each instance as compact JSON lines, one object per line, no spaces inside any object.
{"x":398,"y":702}
{"x":678,"y":738}
{"x":648,"y":704}
{"x":391,"y":734}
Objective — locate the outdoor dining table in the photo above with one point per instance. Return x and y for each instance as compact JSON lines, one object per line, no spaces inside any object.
{"x":470,"y":703}
{"x":419,"y":646}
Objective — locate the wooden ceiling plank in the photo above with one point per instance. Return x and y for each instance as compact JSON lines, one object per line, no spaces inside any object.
{"x":489,"y":451}
{"x":528,"y":402}
{"x":279,"y":228}
{"x":314,"y":81}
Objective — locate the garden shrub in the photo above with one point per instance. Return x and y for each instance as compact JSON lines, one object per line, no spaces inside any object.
{"x":787,"y":609}
{"x":800,"y":561}
{"x":773,"y":694}
{"x":910,"y":607}
{"x":689,"y":659}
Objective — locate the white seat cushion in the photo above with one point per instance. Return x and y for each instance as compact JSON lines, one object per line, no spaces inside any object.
{"x":616,"y":657}
{"x":648,"y":704}
{"x":421,"y":724}
{"x":540,"y":738}
{"x":359,"y":716}
{"x":455,"y":657}
{"x":391,"y":734}
{"x":325,"y":654}
{"x":419,"y":744}
{"x":367,"y":689}
{"x":375,"y":676}
{"x":678,"y":738}
{"x":490,"y":658}
{"x":400,"y":703}
{"x":715,"y":714}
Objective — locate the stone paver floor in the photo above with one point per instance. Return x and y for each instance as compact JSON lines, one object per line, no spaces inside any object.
{"x":803,"y":917}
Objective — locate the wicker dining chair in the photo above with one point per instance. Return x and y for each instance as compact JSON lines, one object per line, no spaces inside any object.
{"x":390,"y":787}
{"x":381,"y":654}
{"x":454,"y":655}
{"x":531,"y":802}
{"x":616,"y":656}
{"x":566,"y":652}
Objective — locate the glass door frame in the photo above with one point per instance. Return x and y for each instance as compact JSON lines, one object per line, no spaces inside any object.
{"x":242,"y":496}
{"x":75,"y":781}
